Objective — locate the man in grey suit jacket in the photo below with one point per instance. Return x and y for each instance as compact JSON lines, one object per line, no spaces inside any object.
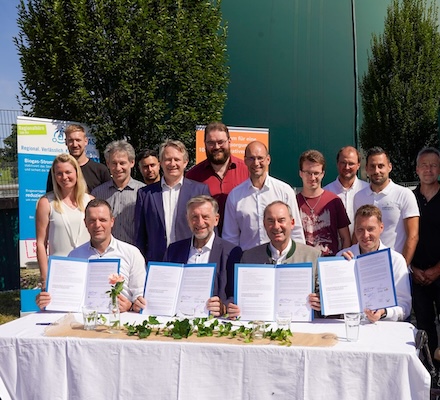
{"x":161,"y":207}
{"x":282,"y":249}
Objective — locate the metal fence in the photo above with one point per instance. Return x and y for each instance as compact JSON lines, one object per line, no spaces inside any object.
{"x":8,"y":153}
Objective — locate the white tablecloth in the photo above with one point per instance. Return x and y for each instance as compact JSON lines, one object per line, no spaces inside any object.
{"x":382,"y":365}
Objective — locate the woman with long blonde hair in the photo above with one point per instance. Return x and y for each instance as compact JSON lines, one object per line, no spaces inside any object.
{"x":60,"y":214}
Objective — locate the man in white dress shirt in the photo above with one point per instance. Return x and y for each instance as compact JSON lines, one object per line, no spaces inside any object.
{"x":400,"y":212}
{"x":99,"y":221}
{"x":368,"y":230}
{"x":347,"y":184}
{"x":244,"y":211}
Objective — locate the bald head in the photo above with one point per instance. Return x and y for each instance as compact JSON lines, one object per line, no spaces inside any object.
{"x":348,"y":162}
{"x":257,"y":160}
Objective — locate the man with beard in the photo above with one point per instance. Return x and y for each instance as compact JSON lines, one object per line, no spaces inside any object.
{"x":94,"y":173}
{"x":149,"y":166}
{"x":400,"y":212}
{"x":347,"y":184}
{"x":221,"y":171}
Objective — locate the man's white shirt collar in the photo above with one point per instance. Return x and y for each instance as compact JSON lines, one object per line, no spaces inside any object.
{"x":276,"y":255}
{"x":165,"y":185}
{"x":111,"y":246}
{"x":266,"y":184}
{"x":201,"y":256}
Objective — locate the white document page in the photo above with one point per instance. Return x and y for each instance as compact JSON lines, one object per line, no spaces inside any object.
{"x":376,"y":280}
{"x":255,"y":288}
{"x":196,"y":288}
{"x":293,"y":286}
{"x":162,"y":288}
{"x":97,"y":283}
{"x":337,"y":286}
{"x":66,"y":281}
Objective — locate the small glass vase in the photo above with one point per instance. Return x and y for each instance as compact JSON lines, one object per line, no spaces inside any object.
{"x":114,"y":316}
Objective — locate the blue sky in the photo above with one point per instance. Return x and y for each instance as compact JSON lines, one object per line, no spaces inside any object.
{"x":10,"y":71}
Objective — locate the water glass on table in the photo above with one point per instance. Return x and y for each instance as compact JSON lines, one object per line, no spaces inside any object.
{"x":283,"y":319}
{"x":90,"y":316}
{"x":259,"y":328}
{"x":352,"y":322}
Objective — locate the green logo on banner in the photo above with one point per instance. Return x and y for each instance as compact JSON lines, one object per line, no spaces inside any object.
{"x":31,"y":129}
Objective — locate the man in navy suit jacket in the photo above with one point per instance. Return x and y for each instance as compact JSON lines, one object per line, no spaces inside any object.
{"x":205,"y":246}
{"x":161,"y":207}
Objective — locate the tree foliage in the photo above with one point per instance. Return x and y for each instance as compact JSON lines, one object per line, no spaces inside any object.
{"x":144,"y":70}
{"x":8,"y":154}
{"x":401,"y":89}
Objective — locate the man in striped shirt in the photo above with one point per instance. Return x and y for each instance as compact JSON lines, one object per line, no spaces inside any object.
{"x":120,"y":191}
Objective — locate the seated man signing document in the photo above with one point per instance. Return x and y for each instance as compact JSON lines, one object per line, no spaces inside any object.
{"x":205,"y":247}
{"x":282,"y":249}
{"x":99,"y":221}
{"x":368,"y":227}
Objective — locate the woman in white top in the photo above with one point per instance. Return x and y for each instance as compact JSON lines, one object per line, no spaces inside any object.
{"x":60,"y":214}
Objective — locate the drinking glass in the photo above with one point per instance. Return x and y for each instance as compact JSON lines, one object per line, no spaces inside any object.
{"x":352,"y":322}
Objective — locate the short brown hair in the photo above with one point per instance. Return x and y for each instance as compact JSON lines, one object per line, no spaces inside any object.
{"x":94,"y":203}
{"x":216,"y":126}
{"x":368,"y":210}
{"x":313,"y":156}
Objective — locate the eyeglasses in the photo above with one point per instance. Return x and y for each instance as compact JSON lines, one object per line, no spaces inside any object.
{"x":258,"y":159}
{"x":312,"y":173}
{"x":428,"y":166}
{"x":212,"y":143}
{"x":347,"y":164}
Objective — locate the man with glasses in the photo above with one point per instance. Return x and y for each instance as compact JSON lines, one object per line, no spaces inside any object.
{"x":398,"y":204}
{"x":244,"y":211}
{"x":347,"y":184}
{"x":425,"y":266}
{"x":221,"y":171}
{"x":323,"y":215}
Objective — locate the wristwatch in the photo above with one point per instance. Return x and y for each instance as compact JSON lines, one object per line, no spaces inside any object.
{"x":384,"y":315}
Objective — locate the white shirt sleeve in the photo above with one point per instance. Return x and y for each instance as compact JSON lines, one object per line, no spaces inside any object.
{"x":403,"y":290}
{"x":231,"y":230}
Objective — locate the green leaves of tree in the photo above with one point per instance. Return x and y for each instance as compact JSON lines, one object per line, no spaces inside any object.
{"x":143,"y":70}
{"x":401,"y":89}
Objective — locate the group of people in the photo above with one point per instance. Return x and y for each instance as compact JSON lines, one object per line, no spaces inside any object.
{"x":225,"y":210}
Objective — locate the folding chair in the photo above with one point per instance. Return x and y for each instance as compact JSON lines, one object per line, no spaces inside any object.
{"x":425,"y":356}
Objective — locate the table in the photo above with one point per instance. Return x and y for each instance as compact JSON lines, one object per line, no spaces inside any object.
{"x":383,"y":364}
